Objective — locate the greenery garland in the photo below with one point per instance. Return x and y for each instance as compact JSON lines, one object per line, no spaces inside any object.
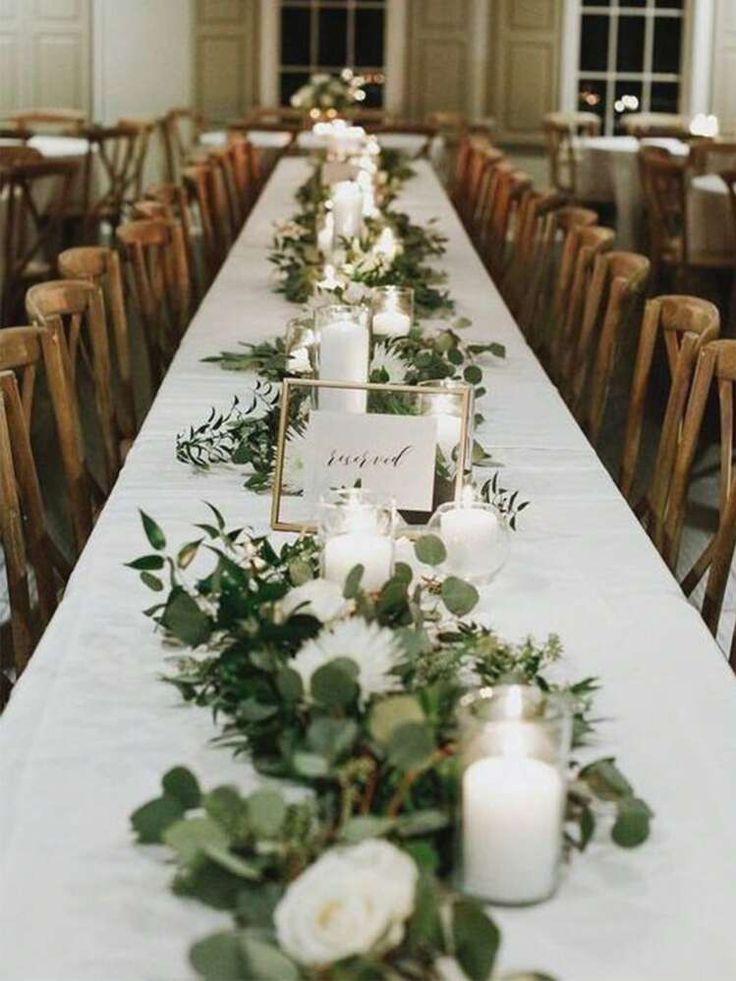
{"x":351,"y":695}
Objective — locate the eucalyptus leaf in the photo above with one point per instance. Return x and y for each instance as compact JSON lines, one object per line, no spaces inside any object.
{"x":605,"y":780}
{"x":264,"y":962}
{"x":458,"y":596}
{"x":147,"y":563}
{"x":410,"y":746}
{"x":219,"y":957}
{"x":190,"y":836}
{"x":332,"y":685}
{"x":390,"y":713}
{"x":476,"y":939}
{"x":182,"y":784}
{"x":231,"y":862}
{"x":153,"y":533}
{"x":631,"y":827}
{"x":152,"y":819}
{"x":153,"y":582}
{"x":267,"y":811}
{"x":365,"y":826}
{"x":352,"y":582}
{"x":185,"y":620}
{"x":430,"y":550}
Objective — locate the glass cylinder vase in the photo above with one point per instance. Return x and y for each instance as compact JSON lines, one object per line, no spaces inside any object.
{"x":513,"y":754}
{"x":343,"y":354}
{"x":356,"y":527}
{"x":393,"y":310}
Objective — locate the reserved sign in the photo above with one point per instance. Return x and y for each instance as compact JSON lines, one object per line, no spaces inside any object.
{"x":390,"y":454}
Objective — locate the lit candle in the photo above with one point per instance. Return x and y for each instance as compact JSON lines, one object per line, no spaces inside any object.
{"x":326,"y":235}
{"x":470,"y":535}
{"x":392,"y":305}
{"x":370,"y":549}
{"x":511,"y":837}
{"x":330,"y":282}
{"x":347,"y":208}
{"x":386,"y":245}
{"x":344,"y":351}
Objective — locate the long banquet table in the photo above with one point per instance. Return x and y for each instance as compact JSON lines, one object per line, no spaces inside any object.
{"x":91,"y":729}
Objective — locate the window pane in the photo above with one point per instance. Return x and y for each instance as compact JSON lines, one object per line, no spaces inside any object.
{"x":369,"y":37}
{"x":373,"y":96}
{"x":289,"y":82}
{"x":596,"y":3}
{"x":633,"y":3}
{"x":295,"y":36}
{"x":665,"y":97}
{"x":594,"y":43}
{"x":592,"y":96}
{"x":333,"y":25}
{"x":630,"y":44}
{"x":669,"y":4}
{"x":667,"y":45}
{"x":627,"y":99}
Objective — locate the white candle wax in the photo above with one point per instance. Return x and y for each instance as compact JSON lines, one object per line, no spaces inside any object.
{"x":470,"y":536}
{"x":326,"y":235}
{"x":369,"y":549}
{"x":347,"y":208}
{"x":512,"y":828}
{"x":392,"y":323}
{"x":343,"y":356}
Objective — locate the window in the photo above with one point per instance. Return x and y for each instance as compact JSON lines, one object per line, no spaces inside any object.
{"x":329,"y":35}
{"x":630,"y":57}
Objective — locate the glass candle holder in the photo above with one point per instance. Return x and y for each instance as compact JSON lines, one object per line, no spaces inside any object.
{"x":447,"y":410}
{"x":356,"y":527}
{"x":393,"y":310}
{"x":513,"y":755}
{"x":300,"y":344}
{"x":475,"y":536}
{"x":343,"y":354}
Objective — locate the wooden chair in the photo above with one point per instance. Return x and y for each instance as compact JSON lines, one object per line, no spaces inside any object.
{"x":481,"y":192}
{"x":617,"y":286}
{"x":580,"y":250}
{"x":63,"y":122}
{"x":37,"y":192}
{"x":534,"y":223}
{"x":77,"y":308}
{"x":685,"y":324}
{"x":221,"y":160}
{"x":712,"y":156}
{"x":562,"y":131}
{"x":101,"y":266}
{"x":205,"y":189}
{"x":28,"y":351}
{"x":23,"y":533}
{"x":180,"y":130}
{"x":118,"y":154}
{"x":176,"y":202}
{"x":652,"y":124}
{"x":508,"y":185}
{"x":154,"y":250}
{"x":665,"y":190}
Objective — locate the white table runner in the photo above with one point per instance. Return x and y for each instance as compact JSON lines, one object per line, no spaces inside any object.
{"x":90,"y":729}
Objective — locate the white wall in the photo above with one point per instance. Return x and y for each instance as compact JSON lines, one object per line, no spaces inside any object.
{"x":142,"y":61}
{"x":724,"y":65}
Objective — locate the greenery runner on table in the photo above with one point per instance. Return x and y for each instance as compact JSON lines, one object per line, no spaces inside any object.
{"x":352,"y":697}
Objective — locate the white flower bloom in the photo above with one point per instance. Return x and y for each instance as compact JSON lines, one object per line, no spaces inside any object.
{"x":290,"y":230}
{"x":351,"y":901}
{"x":320,"y":598}
{"x":356,"y":293}
{"x":298,"y":362}
{"x":374,"y":649}
{"x":394,"y":365}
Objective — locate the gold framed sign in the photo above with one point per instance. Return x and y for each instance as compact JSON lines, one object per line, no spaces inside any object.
{"x":410,"y":442}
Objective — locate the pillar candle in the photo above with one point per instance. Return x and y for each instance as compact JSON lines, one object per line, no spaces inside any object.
{"x":512,"y":828}
{"x":343,"y":356}
{"x":469,"y":535}
{"x":347,"y":208}
{"x":369,"y":549}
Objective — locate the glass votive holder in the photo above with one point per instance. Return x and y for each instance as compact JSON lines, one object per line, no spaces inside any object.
{"x":300,"y":345}
{"x":343,"y":338}
{"x":447,"y":409}
{"x":393,"y":310}
{"x":475,"y":536}
{"x":514,"y":746}
{"x":356,"y":527}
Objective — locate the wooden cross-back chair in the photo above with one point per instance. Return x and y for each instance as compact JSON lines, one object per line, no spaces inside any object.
{"x":246,"y":169}
{"x":469,"y":193}
{"x":63,"y":122}
{"x":712,"y":156}
{"x":716,"y":371}
{"x":665,"y":185}
{"x":685,"y":324}
{"x":175,"y":201}
{"x":651,"y":124}
{"x":482,"y":170}
{"x":37,"y":192}
{"x":101,"y":266}
{"x":28,"y":351}
{"x":77,"y":308}
{"x":546,"y":293}
{"x":221,"y":160}
{"x":205,"y":188}
{"x":562,"y":131}
{"x":617,"y":286}
{"x":118,"y":153}
{"x":180,"y":129}
{"x":31,"y":579}
{"x":156,"y":256}
{"x":531,"y":251}
{"x":579,"y":252}
{"x":507,"y":188}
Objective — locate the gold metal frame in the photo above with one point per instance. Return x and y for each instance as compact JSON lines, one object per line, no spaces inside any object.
{"x":464,"y":395}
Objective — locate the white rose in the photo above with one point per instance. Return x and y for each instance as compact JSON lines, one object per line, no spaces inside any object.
{"x":350,"y":901}
{"x":320,"y":598}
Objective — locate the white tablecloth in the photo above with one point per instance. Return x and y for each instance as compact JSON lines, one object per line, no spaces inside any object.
{"x":91,"y":728}
{"x":608,"y":170}
{"x":710,"y":219}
